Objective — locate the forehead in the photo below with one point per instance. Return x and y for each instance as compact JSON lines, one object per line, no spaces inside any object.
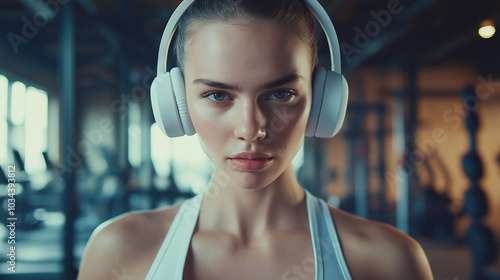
{"x":257,"y":49}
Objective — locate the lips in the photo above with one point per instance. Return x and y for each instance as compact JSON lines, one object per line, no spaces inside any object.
{"x":254,"y":161}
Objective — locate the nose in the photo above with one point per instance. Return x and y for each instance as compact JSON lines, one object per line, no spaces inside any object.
{"x":251,"y":122}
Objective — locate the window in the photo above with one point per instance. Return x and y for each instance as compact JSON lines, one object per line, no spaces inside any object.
{"x":18,"y":103}
{"x":192,"y":168}
{"x":191,"y":165}
{"x":29,"y":123}
{"x":4,"y":88}
{"x":36,"y":120}
{"x":134,"y":134}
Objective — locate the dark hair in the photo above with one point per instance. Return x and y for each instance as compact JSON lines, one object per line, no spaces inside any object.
{"x":293,"y":12}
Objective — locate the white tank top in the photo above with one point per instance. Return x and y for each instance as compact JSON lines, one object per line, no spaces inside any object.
{"x":328,"y":257}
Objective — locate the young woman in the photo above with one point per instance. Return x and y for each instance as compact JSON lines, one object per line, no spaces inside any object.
{"x":248,"y":70}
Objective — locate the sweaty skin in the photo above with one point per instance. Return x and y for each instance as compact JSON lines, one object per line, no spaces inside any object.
{"x":248,"y":89}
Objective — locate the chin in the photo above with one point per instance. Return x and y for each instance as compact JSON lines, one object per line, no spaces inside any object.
{"x":254,"y":180}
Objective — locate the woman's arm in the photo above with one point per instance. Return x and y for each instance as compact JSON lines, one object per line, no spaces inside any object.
{"x":105,"y":252}
{"x":376,"y":250}
{"x":125,"y":247}
{"x":401,"y":257}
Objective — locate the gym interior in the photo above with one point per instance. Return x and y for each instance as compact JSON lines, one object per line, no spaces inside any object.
{"x":419,"y":148}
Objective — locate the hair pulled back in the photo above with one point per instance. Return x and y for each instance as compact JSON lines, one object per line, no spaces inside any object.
{"x":293,"y":13}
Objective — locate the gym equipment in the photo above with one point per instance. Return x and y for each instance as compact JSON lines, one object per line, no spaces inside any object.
{"x":403,"y":197}
{"x":172,"y":193}
{"x":480,"y":238}
{"x":367,"y":197}
{"x":25,"y":207}
{"x":330,"y":89}
{"x":434,"y":216}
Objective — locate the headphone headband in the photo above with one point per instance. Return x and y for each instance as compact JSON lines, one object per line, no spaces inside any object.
{"x":318,"y":11}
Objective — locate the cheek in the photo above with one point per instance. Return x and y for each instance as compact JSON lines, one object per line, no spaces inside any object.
{"x":209,"y":126}
{"x":287,"y":124}
{"x":204,"y":117}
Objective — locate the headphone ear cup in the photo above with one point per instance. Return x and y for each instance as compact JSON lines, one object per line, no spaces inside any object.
{"x":180,"y":97}
{"x":318,"y":90}
{"x":334,"y":105}
{"x":164,"y":106}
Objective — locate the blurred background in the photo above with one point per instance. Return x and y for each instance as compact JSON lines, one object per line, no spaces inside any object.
{"x":419,"y":149}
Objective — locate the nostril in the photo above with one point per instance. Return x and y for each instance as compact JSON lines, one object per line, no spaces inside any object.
{"x":250,"y":121}
{"x":262,"y":134}
{"x":251,"y":133}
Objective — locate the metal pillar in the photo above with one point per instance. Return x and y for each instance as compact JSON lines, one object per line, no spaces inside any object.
{"x":360,"y":172}
{"x":123,"y":85}
{"x":401,"y":174}
{"x":382,"y":207}
{"x":123,"y":116}
{"x":310,"y":174}
{"x":413,"y":184}
{"x":67,"y":83}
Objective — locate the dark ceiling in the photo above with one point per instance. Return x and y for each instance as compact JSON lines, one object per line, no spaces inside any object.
{"x":112,"y":34}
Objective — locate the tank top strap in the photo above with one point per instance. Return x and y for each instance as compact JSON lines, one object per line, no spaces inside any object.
{"x":329,"y":259}
{"x":170,"y":260}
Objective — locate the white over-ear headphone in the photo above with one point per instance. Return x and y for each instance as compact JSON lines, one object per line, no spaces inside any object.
{"x":330,"y":89}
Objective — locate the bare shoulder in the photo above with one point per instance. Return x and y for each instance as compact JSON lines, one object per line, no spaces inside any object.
{"x":126,"y":245}
{"x":375,"y":250}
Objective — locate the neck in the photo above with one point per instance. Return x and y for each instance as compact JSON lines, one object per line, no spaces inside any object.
{"x":250,"y":213}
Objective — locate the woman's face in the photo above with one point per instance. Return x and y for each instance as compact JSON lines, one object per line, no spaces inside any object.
{"x":248,"y":89}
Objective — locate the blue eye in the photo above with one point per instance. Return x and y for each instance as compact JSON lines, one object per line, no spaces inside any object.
{"x":216,"y":96}
{"x":280,"y":95}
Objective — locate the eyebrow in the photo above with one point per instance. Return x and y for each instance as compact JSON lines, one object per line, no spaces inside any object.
{"x":276,"y":83}
{"x":215,"y":84}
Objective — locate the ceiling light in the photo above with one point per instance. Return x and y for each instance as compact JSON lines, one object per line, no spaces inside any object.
{"x":487,"y":29}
